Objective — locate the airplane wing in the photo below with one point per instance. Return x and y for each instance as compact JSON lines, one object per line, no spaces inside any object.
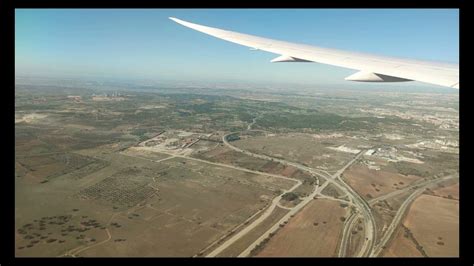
{"x":372,"y":68}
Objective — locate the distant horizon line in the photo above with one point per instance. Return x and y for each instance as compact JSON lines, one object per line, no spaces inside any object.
{"x":413,"y":87}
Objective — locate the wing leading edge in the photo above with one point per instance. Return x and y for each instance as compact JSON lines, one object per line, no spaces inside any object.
{"x":372,"y":68}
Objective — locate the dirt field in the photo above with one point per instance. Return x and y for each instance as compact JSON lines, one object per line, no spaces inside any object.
{"x":448,"y":191}
{"x":49,"y":222}
{"x":150,"y":238}
{"x":374,"y":183}
{"x":172,"y":208}
{"x":313,"y":232}
{"x":225,"y":155}
{"x":151,"y":155}
{"x":401,"y":246}
{"x":301,"y":148}
{"x":41,"y":168}
{"x":434,"y":222}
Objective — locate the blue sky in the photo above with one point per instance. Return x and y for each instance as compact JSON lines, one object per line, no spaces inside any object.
{"x":139,"y":43}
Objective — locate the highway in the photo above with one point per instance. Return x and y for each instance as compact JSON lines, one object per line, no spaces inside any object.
{"x":370,"y":225}
{"x":348,"y":225}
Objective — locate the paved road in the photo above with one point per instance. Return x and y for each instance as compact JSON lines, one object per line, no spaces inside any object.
{"x":366,"y":212}
{"x":321,"y":196}
{"x":284,"y":207}
{"x":340,"y":171}
{"x":348,"y":225}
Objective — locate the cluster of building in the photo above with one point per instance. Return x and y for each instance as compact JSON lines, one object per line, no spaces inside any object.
{"x":390,"y":154}
{"x":172,"y":141}
{"x":443,"y":120}
{"x":115,"y":96}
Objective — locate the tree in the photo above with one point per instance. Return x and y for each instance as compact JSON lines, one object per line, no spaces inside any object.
{"x":290,"y":196}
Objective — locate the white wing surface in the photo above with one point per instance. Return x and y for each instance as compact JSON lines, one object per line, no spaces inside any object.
{"x":372,"y":68}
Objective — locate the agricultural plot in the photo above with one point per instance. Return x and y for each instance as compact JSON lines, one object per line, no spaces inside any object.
{"x":45,"y":167}
{"x":119,"y":191}
{"x":447,"y":191}
{"x":430,"y":229}
{"x":434,"y":222}
{"x":403,"y":245}
{"x":313,"y":232}
{"x":371,"y":183}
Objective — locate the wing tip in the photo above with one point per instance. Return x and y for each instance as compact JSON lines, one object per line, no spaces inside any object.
{"x":177,"y":20}
{"x":182,"y":22}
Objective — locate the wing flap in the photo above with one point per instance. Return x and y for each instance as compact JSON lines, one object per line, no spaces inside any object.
{"x":364,"y":76}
